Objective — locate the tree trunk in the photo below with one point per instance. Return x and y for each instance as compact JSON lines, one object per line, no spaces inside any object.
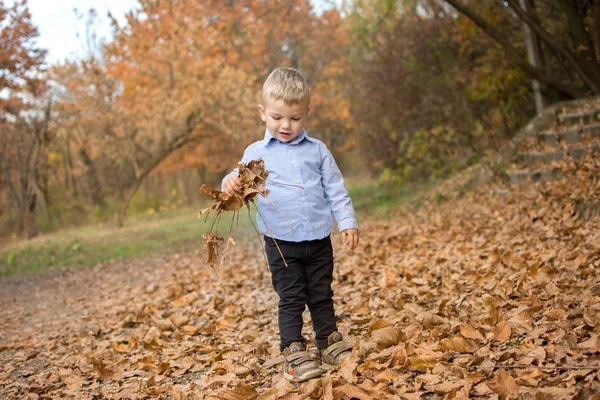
{"x":533,"y":54}
{"x":566,"y":89}
{"x":93,"y":183}
{"x":129,"y":195}
{"x":28,"y":222}
{"x":70,"y":175}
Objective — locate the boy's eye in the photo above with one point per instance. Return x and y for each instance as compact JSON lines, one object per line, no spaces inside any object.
{"x":296,"y":118}
{"x":276,"y":118}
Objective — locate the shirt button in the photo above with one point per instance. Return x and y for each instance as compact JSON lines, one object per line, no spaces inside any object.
{"x":302,"y":198}
{"x":293,"y":161}
{"x":306,"y":218}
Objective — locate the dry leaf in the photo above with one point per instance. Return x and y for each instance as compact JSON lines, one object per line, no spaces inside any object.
{"x":502,"y":332}
{"x":470,"y":333}
{"x":423,"y":362}
{"x":241,"y":392}
{"x":387,"y":337}
{"x":457,"y":344}
{"x":504,"y":385}
{"x":254,"y":178}
{"x":353,"y":391}
{"x":379,"y":324}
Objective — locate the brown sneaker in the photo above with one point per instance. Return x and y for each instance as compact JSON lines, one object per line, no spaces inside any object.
{"x":298,"y":364}
{"x":337,"y":351}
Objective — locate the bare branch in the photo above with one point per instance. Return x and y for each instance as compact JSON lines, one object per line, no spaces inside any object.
{"x":586,"y":73}
{"x":569,"y":90}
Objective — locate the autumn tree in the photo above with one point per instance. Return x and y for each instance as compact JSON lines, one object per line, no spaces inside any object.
{"x":24,"y":115}
{"x":429,"y":95}
{"x":569,"y":36}
{"x":87,"y":115}
{"x":313,"y":42}
{"x":176,"y":86}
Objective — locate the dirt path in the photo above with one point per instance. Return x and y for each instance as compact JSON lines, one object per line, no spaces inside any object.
{"x":57,"y":301}
{"x":56,"y":309}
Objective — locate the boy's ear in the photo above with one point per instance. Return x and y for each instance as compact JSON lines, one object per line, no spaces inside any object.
{"x":263,"y":116}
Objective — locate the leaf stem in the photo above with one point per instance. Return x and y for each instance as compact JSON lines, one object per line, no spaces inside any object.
{"x":285,"y":184}
{"x":221,"y":282}
{"x":280,"y":212}
{"x":259,"y":238}
{"x":268,"y":230}
{"x":557,"y":368}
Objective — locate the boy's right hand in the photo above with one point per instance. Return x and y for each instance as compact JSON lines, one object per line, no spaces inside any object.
{"x":232,"y":185}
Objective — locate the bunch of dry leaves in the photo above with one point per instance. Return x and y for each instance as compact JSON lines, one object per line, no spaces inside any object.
{"x":490,"y":295}
{"x":254,"y":181}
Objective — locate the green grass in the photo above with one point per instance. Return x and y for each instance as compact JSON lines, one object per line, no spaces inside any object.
{"x":373,"y":198}
{"x":174,"y":231}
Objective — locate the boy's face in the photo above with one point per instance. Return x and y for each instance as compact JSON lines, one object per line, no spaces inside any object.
{"x":284,"y":122}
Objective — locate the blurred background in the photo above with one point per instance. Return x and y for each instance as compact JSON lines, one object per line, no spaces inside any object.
{"x":160,"y":96}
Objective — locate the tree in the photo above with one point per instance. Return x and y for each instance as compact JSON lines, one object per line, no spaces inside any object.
{"x":24,"y":118}
{"x":569,"y":33}
{"x":314,"y":43}
{"x":86,"y":115}
{"x":176,"y":84}
{"x":429,"y":95}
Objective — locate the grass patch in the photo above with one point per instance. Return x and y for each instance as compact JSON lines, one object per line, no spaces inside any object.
{"x":379,"y":199}
{"x":173,"y":231}
{"x":177,"y":230}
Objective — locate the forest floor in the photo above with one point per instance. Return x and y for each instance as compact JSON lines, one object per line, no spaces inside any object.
{"x":490,"y":294}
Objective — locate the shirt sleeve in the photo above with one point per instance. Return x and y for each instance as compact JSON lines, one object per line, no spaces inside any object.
{"x":335,"y":192}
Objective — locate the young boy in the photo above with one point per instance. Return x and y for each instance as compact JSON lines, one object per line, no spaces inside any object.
{"x":307,"y":186}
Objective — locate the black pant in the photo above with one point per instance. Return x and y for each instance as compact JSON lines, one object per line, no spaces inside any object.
{"x":305,"y":281}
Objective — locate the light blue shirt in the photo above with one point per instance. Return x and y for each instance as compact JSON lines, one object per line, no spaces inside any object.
{"x":305,"y":162}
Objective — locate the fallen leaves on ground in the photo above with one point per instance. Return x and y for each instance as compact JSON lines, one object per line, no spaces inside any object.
{"x":483,"y":296}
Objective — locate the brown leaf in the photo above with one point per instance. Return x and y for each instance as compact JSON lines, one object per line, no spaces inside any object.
{"x":502,"y":332}
{"x":504,"y":385}
{"x":491,"y":303}
{"x":387,"y":337}
{"x":379,"y":324}
{"x":447,"y":387}
{"x":178,"y":320}
{"x":470,"y":333}
{"x":241,"y":392}
{"x":457,"y":344}
{"x":353,"y":391}
{"x":592,"y":344}
{"x":74,"y":382}
{"x":120,"y":347}
{"x":103,"y":370}
{"x":423,"y":362}
{"x":580,"y":261}
{"x":310,"y":388}
{"x":327,"y":385}
{"x":211,"y":247}
{"x":522,"y":322}
{"x":386,"y":376}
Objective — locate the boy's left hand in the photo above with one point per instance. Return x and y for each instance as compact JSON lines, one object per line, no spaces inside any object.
{"x":350,"y":238}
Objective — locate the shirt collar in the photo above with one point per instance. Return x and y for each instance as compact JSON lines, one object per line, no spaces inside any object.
{"x":303,"y":135}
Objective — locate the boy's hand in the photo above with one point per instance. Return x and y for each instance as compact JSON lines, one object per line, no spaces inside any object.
{"x":232,"y":185}
{"x":350,"y":238}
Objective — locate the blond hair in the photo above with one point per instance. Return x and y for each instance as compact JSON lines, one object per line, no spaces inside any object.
{"x":287,"y":84}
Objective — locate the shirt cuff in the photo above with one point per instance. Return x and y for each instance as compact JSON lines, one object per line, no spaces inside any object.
{"x":347,"y":223}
